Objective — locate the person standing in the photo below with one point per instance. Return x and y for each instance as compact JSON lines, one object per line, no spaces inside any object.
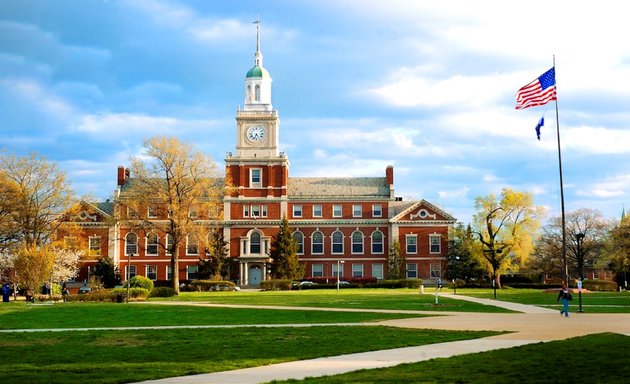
{"x":565,"y":296}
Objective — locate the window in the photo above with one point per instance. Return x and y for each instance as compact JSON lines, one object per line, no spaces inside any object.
{"x":152,"y":212}
{"x":434,"y":244}
{"x":255,"y":211}
{"x":357,"y":210}
{"x":377,"y":242}
{"x":297,"y":211}
{"x":318,"y":270}
{"x":152,"y":244}
{"x":70,"y":242}
{"x":317,"y":210}
{"x":299,"y":239}
{"x":254,"y":243}
{"x":337,"y":211}
{"x":169,"y":244}
{"x":130,"y":271}
{"x":245,"y":210}
{"x":213,"y":212}
{"x":169,"y":272}
{"x":435,"y":270}
{"x":317,"y":246}
{"x":264,"y":210}
{"x":94,"y":246}
{"x":357,"y":242}
{"x":377,"y":210}
{"x":255,"y":178}
{"x":131,"y":244}
{"x":192,"y":212}
{"x":192,"y":245}
{"x":412,"y":271}
{"x":412,"y":244}
{"x":337,"y":269}
{"x":257,"y":92}
{"x":337,"y":242}
{"x":152,"y":272}
{"x":377,"y":271}
{"x":191,"y":272}
{"x":357,"y":270}
{"x":131,"y":213}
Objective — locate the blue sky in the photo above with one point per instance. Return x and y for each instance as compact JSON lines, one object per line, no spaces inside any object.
{"x":426,"y":86}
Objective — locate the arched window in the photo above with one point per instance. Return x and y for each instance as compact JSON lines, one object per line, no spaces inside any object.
{"x":131,"y":244}
{"x":377,"y":242}
{"x":317,"y":243}
{"x":249,"y":93}
{"x":337,"y":242}
{"x":357,"y":242}
{"x":254,"y":243}
{"x":152,"y":244}
{"x":299,"y":239}
{"x":257,"y":92}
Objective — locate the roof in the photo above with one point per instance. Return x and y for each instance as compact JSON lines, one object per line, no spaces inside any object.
{"x":257,"y":71}
{"x":341,"y":187}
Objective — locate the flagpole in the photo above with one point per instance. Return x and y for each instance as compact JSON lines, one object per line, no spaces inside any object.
{"x":564,"y":234}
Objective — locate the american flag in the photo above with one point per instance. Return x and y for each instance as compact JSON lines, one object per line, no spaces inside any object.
{"x":539,"y":92}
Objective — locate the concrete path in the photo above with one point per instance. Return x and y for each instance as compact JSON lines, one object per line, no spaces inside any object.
{"x":531,"y":325}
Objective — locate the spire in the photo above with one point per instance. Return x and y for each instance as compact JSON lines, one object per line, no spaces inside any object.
{"x":258,"y":54}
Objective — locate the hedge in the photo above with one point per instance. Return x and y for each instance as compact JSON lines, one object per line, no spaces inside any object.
{"x":163,"y":292}
{"x":212,"y":285}
{"x":276,"y":285}
{"x":137,"y":294}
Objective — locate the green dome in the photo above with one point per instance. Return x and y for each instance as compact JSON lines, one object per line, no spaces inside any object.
{"x":257,"y":71}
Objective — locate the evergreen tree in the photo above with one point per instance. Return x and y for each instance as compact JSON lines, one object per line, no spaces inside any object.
{"x":461,"y":261}
{"x":107,"y":272}
{"x":285,"y":264}
{"x":217,"y":266}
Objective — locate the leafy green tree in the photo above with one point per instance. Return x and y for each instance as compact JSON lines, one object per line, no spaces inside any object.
{"x":461,"y":262}
{"x":506,"y":229}
{"x":617,"y":250}
{"x":396,"y":262}
{"x":107,"y":271}
{"x":217,"y":265}
{"x":285,"y":264}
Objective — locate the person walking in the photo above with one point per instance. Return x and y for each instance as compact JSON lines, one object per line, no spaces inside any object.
{"x":565,"y":296}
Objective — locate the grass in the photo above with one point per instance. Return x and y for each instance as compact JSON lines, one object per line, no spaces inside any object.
{"x":592,"y":302}
{"x":399,"y":299}
{"x":130,"y":356}
{"x":599,"y":358}
{"x":19,"y":315}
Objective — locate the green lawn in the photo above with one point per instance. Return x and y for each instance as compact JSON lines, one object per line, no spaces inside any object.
{"x":129,"y":356}
{"x":592,"y":302}
{"x":19,"y":315}
{"x":405,"y":299}
{"x":600,"y":358}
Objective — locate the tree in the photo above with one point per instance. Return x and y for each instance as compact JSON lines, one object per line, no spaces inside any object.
{"x":33,"y":196}
{"x":218,"y":263}
{"x":617,"y":250}
{"x":283,"y":253}
{"x":34,"y":265}
{"x":506,"y":229}
{"x":183,"y":182}
{"x":461,"y":262}
{"x":107,"y":272}
{"x":547,"y":255}
{"x":396,"y":263}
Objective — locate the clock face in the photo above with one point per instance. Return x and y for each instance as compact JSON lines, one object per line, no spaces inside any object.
{"x":256,"y":133}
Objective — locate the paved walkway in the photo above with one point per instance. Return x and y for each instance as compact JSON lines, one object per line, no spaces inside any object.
{"x":531,"y":325}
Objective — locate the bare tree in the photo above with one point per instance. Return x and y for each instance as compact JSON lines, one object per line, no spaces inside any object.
{"x":178,"y":181}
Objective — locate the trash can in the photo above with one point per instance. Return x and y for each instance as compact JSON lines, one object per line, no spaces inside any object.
{"x":6,"y":293}
{"x":119,"y":298}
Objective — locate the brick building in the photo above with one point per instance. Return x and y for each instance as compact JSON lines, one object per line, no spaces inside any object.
{"x":343,"y":226}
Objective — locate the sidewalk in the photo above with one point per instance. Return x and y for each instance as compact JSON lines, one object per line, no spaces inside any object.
{"x":531,"y":325}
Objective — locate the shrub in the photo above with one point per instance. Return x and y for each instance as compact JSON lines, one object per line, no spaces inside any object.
{"x":212,"y":285}
{"x":276,"y":285}
{"x":402,"y":283}
{"x":600,"y":285}
{"x":459,"y":283}
{"x":162,"y":292}
{"x":140,"y":282}
{"x":138,"y":294}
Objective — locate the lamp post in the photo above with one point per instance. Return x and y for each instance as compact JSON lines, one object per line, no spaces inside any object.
{"x":128,"y":273}
{"x":339,"y":262}
{"x":579,"y":238}
{"x":455,"y":270}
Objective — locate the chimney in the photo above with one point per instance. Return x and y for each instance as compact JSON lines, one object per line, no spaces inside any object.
{"x":389,"y":173}
{"x":123,"y":174}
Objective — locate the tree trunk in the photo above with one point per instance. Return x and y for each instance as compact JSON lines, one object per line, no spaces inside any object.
{"x":175,"y":268}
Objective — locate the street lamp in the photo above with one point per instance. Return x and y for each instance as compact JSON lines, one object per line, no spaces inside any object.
{"x":128,"y":273}
{"x":579,"y":238}
{"x":455,"y":266}
{"x":339,"y":262}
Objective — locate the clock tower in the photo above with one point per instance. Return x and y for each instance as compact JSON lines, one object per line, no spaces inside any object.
{"x":258,"y":169}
